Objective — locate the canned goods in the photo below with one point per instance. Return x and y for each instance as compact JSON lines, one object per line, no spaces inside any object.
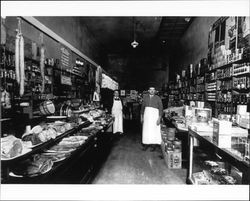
{"x":171,"y":134}
{"x":177,"y":145}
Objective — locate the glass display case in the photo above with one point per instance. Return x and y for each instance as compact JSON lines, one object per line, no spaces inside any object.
{"x":211,"y":164}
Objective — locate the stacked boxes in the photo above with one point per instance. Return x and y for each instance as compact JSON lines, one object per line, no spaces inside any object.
{"x":171,"y":149}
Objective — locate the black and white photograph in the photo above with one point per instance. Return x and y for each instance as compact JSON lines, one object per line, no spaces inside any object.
{"x":112,"y":102}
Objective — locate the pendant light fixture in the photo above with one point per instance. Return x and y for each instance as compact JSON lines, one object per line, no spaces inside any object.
{"x":134,"y":44}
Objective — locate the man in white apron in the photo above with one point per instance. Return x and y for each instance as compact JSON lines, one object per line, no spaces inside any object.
{"x":151,"y":113}
{"x":117,"y":114}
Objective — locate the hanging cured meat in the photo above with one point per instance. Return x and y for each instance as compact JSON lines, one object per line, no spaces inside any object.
{"x":17,"y":58}
{"x":42,"y":58}
{"x":22,"y":73}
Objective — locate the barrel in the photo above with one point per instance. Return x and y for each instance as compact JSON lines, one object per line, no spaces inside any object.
{"x":47,"y":107}
{"x":171,"y":134}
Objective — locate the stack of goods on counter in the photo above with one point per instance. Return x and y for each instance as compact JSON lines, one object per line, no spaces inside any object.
{"x":171,"y":148}
{"x":45,"y":132}
{"x":12,"y":147}
{"x":214,"y":174}
{"x":197,"y":117}
{"x":91,"y":115}
{"x":89,"y":131}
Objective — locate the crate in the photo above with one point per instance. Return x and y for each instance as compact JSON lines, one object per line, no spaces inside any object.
{"x":172,"y":159}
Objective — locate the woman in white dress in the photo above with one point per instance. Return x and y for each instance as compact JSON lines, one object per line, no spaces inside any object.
{"x":117,"y":114}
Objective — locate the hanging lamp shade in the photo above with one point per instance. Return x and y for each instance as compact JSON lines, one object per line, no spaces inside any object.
{"x":134,"y":44}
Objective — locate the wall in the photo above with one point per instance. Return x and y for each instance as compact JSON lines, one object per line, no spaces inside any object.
{"x":70,"y":29}
{"x":77,"y":34}
{"x":138,"y":70}
{"x":194,"y":44}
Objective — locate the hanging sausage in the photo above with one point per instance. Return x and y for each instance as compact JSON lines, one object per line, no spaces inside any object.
{"x":17,"y":58}
{"x":42,"y":58}
{"x":22,"y":73}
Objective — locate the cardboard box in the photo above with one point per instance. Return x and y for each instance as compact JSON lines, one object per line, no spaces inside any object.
{"x":244,"y":120}
{"x":222,"y":133}
{"x":173,"y":159}
{"x":203,"y":115}
{"x":222,"y":127}
{"x":241,"y":109}
{"x":223,"y":141}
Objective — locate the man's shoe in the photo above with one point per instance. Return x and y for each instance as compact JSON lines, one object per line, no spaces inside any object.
{"x":153,"y":148}
{"x":145,"y":147}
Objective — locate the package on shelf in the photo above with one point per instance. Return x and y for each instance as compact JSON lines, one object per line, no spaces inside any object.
{"x":244,"y":120}
{"x":222,"y":127}
{"x":245,"y":26}
{"x":223,"y":141}
{"x":202,"y":115}
{"x":200,"y":104}
{"x":239,"y":69}
{"x":188,"y":111}
{"x":222,"y":133}
{"x":203,"y":178}
{"x":241,"y":109}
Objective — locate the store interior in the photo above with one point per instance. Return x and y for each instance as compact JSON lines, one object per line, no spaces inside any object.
{"x":58,"y":77}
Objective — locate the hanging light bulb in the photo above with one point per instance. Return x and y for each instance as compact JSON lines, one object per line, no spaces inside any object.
{"x":134,"y":44}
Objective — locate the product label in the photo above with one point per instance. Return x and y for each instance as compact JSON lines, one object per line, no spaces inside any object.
{"x":66,"y":80}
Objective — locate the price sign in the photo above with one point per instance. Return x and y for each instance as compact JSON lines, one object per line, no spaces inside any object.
{"x":66,"y":80}
{"x":65,"y":58}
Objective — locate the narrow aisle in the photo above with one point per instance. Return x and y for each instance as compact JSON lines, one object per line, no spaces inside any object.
{"x":128,"y":164}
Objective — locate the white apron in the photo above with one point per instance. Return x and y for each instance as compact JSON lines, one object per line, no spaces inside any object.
{"x":117,"y":112}
{"x":151,"y":132}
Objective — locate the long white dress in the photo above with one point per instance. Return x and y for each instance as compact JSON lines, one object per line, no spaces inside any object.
{"x":117,"y":112}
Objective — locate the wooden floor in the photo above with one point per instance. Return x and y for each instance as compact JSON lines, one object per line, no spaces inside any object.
{"x":128,"y":164}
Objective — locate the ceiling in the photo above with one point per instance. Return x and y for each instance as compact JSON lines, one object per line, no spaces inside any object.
{"x":116,"y":33}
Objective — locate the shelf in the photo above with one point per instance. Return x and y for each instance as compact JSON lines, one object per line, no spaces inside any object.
{"x":5,"y":119}
{"x":241,"y":90}
{"x":210,"y":81}
{"x":63,"y":70}
{"x":225,"y":78}
{"x":244,"y":74}
{"x":228,"y":65}
{"x":223,"y":102}
{"x":224,"y":90}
